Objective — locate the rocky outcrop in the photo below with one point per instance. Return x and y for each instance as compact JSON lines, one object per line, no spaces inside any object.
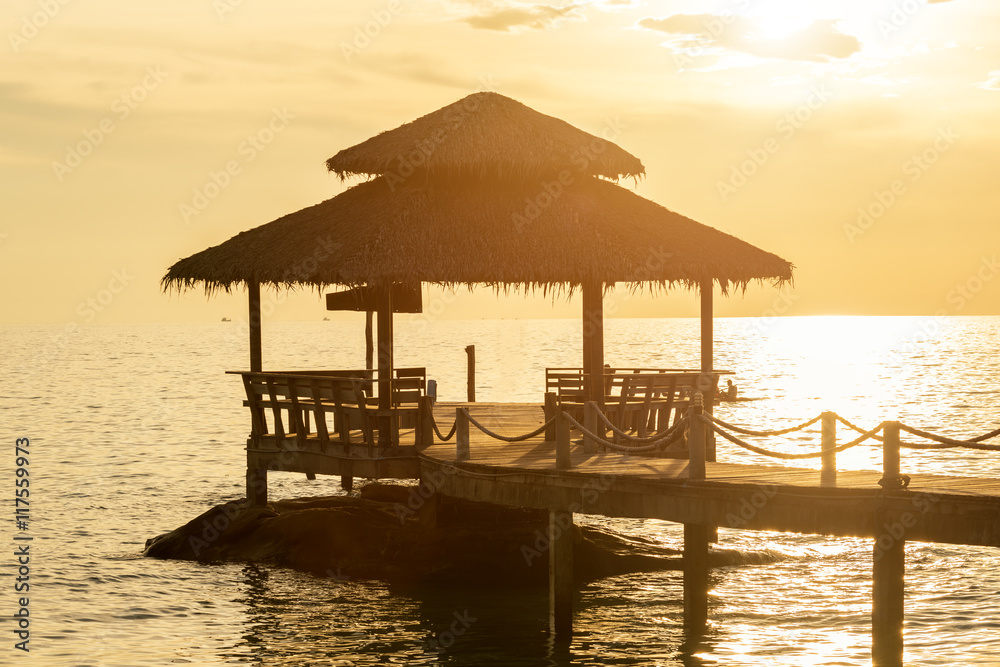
{"x":378,"y":535}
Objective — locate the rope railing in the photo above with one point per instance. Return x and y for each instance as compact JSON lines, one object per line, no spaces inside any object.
{"x":658,"y":442}
{"x":506,"y":438}
{"x":764,"y":434}
{"x":656,"y":437}
{"x":716,"y":425}
{"x":695,"y":427}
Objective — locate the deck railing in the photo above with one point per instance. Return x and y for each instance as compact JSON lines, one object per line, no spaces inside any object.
{"x":330,"y":406}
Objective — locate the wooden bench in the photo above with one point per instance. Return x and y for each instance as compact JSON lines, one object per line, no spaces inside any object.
{"x":327,"y":407}
{"x":636,"y":400}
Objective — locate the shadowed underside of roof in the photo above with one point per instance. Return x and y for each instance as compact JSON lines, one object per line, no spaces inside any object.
{"x":543,"y":235}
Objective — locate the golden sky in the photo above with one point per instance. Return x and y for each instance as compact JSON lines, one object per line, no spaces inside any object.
{"x":858,"y":139}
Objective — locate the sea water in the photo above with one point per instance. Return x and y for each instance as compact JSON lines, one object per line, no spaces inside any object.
{"x":136,"y":429}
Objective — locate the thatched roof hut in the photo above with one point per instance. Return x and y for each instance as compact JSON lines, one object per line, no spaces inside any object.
{"x":483,"y":192}
{"x":487,"y":135}
{"x":524,"y":235}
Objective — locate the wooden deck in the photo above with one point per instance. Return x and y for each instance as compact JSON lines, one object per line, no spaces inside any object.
{"x":934,"y":508}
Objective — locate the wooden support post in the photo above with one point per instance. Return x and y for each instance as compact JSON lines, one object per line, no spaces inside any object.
{"x":427,"y":513}
{"x":384,"y":315}
{"x":462,"y":450}
{"x":890,"y":457}
{"x":590,"y":422}
{"x":888,"y":573}
{"x":696,"y":441}
{"x":470,"y":350}
{"x":828,"y":475}
{"x":561,"y":573}
{"x":257,"y":486}
{"x":346,"y":478}
{"x":369,"y":342}
{"x":593,"y":339}
{"x":707,"y":357}
{"x":696,"y":539}
{"x":550,"y":408}
{"x":425,"y":423}
{"x":256,"y":356}
{"x":563,"y":460}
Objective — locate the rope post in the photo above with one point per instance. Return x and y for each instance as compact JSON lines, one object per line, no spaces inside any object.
{"x":425,"y":423}
{"x":462,"y":451}
{"x":696,"y":440}
{"x":590,"y":422}
{"x":890,"y":457}
{"x":828,"y":475}
{"x":471,"y":382}
{"x":550,"y":408}
{"x":563,"y":461}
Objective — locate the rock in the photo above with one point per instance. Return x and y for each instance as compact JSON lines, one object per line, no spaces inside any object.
{"x":377,"y":535}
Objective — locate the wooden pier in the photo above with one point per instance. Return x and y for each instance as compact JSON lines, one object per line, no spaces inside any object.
{"x":701,"y":495}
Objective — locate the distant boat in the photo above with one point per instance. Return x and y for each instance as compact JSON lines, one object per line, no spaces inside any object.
{"x":226,"y":319}
{"x":326,"y":319}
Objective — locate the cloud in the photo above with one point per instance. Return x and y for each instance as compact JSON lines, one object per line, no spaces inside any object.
{"x":818,"y":41}
{"x":992,"y":83}
{"x":532,"y":17}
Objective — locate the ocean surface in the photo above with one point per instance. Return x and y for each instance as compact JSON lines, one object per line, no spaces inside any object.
{"x":135,"y":429}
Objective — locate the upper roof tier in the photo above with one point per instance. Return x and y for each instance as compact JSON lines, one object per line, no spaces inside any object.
{"x":485,"y":135}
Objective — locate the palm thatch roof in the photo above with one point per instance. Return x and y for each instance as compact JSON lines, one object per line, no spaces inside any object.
{"x":504,"y":234}
{"x":488,"y":135}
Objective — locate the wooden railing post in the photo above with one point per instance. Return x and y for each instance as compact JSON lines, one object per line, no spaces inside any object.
{"x":563,"y":461}
{"x":471,"y":351}
{"x":425,"y":423}
{"x":828,"y":475}
{"x":890,"y":457}
{"x":590,"y":422}
{"x":462,"y":450}
{"x":696,"y":440}
{"x":550,"y":408}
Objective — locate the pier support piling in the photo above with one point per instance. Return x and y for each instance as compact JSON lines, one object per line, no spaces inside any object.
{"x":828,"y":474}
{"x":696,"y":539}
{"x":257,"y":486}
{"x":888,"y":574}
{"x":561,"y":573}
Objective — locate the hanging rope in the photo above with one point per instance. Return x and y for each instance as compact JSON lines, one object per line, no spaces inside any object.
{"x":505,"y":438}
{"x":746,"y":431}
{"x":664,"y":439}
{"x":633,"y":438}
{"x":949,"y":443}
{"x":782,"y":455}
{"x":438,"y":431}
